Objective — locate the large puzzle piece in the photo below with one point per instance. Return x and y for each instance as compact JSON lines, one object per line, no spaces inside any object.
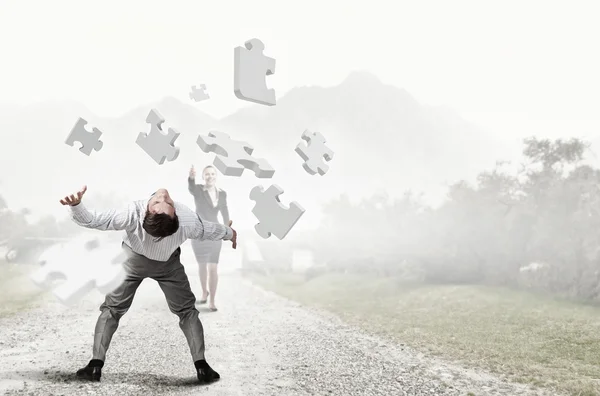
{"x":156,"y":144}
{"x":82,"y":268}
{"x":273,"y":217}
{"x":89,"y":140}
{"x":314,"y":153}
{"x":233,"y":155}
{"x":251,"y":67}
{"x":199,"y":94}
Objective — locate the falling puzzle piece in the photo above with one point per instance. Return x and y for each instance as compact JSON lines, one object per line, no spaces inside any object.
{"x":89,"y":140}
{"x":273,"y":217}
{"x":251,"y":67}
{"x":233,"y":156}
{"x":81,"y":270}
{"x":199,"y":94}
{"x":314,"y":153}
{"x":156,"y":144}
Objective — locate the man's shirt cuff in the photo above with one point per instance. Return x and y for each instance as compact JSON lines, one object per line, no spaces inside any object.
{"x":80,"y":213}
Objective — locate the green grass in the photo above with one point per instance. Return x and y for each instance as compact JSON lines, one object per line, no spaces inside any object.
{"x":529,"y":338}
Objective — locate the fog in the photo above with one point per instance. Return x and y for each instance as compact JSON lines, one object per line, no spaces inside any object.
{"x":460,"y":205}
{"x":398,"y":120}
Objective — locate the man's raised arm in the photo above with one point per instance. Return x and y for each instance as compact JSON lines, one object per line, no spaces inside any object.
{"x":203,"y":229}
{"x":196,"y":228}
{"x":108,"y":220}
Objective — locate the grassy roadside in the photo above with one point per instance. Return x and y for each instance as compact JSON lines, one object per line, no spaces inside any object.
{"x":17,"y":292}
{"x":530,"y":339}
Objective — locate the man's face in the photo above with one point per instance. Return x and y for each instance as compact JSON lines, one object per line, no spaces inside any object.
{"x":161,"y":202}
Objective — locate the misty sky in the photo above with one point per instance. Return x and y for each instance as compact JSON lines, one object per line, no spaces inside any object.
{"x":517,"y":68}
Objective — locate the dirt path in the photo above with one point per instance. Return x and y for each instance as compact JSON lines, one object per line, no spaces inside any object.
{"x":260,"y":343}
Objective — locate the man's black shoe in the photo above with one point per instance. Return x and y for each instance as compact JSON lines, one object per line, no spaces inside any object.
{"x":91,"y":372}
{"x":205,"y":373}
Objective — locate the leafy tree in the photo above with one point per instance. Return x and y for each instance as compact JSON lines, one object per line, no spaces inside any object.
{"x":547,"y":212}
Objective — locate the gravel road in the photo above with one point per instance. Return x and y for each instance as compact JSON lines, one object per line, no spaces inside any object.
{"x":260,"y":343}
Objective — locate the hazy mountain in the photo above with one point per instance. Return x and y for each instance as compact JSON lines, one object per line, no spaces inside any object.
{"x":381,"y":136}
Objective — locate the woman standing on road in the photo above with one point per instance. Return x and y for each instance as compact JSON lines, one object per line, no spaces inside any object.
{"x":210,"y":200}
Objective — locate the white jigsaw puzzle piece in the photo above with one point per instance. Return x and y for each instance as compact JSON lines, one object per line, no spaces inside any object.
{"x":233,"y":156}
{"x":314,"y":153}
{"x":89,"y":140}
{"x":81,"y":269}
{"x":251,"y":67}
{"x":199,"y":94}
{"x":156,"y":144}
{"x":274,"y":218}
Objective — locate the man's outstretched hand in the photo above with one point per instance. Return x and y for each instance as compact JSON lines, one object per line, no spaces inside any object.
{"x":234,"y":237}
{"x":75,"y":199}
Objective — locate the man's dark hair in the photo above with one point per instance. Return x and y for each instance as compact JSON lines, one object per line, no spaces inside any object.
{"x":160,"y":225}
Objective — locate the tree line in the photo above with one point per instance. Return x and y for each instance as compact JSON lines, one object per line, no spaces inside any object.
{"x":537,"y":227}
